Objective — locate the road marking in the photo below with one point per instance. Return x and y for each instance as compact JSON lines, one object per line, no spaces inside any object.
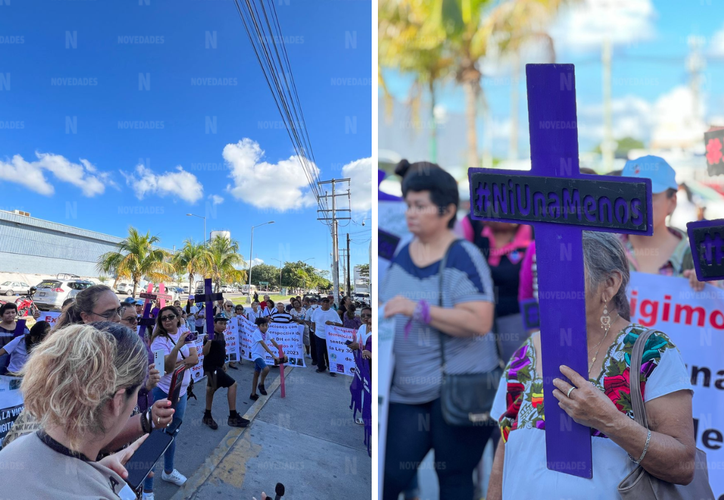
{"x":202,"y":474}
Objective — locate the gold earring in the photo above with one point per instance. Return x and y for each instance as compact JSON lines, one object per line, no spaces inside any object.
{"x":605,"y":317}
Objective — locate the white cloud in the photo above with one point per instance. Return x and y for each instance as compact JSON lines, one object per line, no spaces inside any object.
{"x":256,"y":262}
{"x":278,"y":186}
{"x":181,"y":184}
{"x":31,"y":174}
{"x":216,"y":199}
{"x":716,"y":45}
{"x":585,"y":26}
{"x":360,"y":174}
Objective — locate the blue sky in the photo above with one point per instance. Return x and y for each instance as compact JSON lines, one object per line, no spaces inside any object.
{"x":136,"y":113}
{"x":650,"y":82}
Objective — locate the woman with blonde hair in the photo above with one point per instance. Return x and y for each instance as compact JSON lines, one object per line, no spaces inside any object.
{"x":81,"y":384}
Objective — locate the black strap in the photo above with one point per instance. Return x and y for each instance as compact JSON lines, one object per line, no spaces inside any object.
{"x":61,"y":448}
{"x":443,"y":264}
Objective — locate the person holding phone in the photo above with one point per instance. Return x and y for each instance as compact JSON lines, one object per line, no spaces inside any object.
{"x":216,"y":376}
{"x":258,"y":348}
{"x":168,"y":337}
{"x":83,"y":383}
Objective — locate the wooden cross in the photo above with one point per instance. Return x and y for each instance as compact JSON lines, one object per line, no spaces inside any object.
{"x":146,"y":320}
{"x":560,"y":202}
{"x":162,"y":296}
{"x":208,"y":298}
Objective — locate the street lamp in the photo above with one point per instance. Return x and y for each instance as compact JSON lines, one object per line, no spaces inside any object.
{"x":280,"y":273}
{"x":194,"y":215}
{"x":251,"y":256}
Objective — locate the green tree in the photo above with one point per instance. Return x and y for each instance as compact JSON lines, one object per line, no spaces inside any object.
{"x":224,"y":259}
{"x":623,"y":147}
{"x":410,"y":44}
{"x":136,"y":257}
{"x":265,"y":272}
{"x":364,"y":270}
{"x":192,"y":259}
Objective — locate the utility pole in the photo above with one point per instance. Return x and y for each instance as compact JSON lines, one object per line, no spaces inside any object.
{"x":695,"y":64}
{"x":334,"y":217}
{"x":349,"y":283}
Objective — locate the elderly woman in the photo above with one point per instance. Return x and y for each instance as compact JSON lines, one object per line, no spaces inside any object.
{"x":81,"y":383}
{"x":460,"y":318}
{"x":599,"y":399}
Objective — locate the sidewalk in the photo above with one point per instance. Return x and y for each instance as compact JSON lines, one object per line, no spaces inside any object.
{"x":307,"y":441}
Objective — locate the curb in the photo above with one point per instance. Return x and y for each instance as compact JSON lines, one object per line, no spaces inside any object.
{"x":207,"y":468}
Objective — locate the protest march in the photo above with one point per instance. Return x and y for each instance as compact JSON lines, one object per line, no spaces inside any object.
{"x":515,"y":327}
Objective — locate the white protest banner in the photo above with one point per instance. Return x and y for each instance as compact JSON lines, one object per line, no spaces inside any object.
{"x":290,"y":337}
{"x":11,"y":404}
{"x":51,"y":317}
{"x":694,"y":321}
{"x":231,"y":337}
{"x":197,"y":371}
{"x":246,"y":329}
{"x":341,"y":359}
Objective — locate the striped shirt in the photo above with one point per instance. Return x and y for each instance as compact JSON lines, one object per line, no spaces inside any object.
{"x":281,"y":317}
{"x":417,"y":376}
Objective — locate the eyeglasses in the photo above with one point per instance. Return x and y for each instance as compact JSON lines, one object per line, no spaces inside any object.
{"x":132,"y":319}
{"x":366,"y":316}
{"x":109,"y":314}
{"x":228,"y":307}
{"x":170,"y":317}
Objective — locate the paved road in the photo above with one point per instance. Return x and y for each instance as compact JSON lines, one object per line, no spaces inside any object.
{"x":307,"y":441}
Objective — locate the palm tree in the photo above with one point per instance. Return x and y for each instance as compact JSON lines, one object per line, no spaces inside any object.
{"x":409,"y":43}
{"x":192,"y":259}
{"x":224,"y":257}
{"x":136,"y":257}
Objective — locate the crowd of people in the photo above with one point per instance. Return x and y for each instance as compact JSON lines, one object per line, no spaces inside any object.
{"x":92,"y":392}
{"x":454,"y":293}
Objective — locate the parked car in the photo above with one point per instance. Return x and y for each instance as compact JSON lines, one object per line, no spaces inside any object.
{"x":51,"y":293}
{"x":185,"y":289}
{"x":124,"y":289}
{"x":14,"y":287}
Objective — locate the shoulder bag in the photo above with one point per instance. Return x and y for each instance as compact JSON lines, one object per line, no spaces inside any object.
{"x":640,"y":485}
{"x":466,"y":399}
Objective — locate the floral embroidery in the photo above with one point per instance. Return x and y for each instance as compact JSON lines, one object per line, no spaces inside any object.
{"x":524,"y":398}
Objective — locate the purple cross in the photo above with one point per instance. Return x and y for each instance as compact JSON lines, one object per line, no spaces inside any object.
{"x":146,"y":320}
{"x":706,"y":238}
{"x":19,"y":328}
{"x":560,"y":202}
{"x":208,"y":298}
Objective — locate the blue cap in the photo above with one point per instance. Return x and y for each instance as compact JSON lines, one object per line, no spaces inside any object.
{"x":129,"y":300}
{"x":655,"y":168}
{"x":140,"y":302}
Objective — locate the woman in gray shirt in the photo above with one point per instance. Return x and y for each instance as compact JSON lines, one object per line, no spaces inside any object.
{"x":411,"y":291}
{"x":81,"y":384}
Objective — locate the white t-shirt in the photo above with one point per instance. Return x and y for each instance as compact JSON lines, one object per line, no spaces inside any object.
{"x":320,"y":318}
{"x":18,"y":354}
{"x":362,"y":332}
{"x":251,"y":315}
{"x":257,"y":350}
{"x":162,"y":343}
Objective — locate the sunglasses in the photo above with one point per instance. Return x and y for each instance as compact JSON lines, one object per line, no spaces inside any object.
{"x":366,"y":316}
{"x":169,"y":317}
{"x":109,"y":314}
{"x":132,"y":319}
{"x":228,"y":307}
